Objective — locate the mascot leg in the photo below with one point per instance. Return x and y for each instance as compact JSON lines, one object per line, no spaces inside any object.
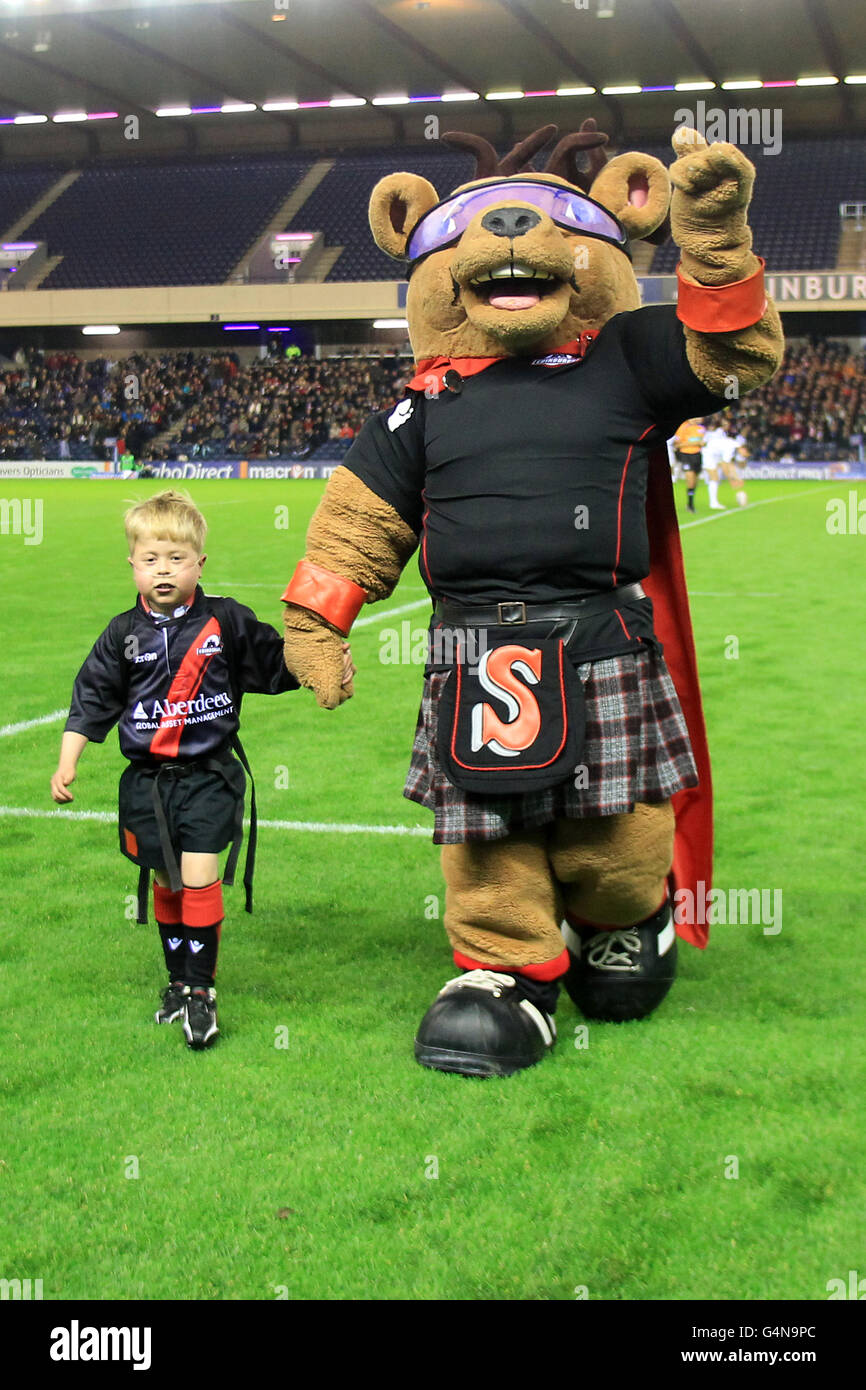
{"x":619,"y":931}
{"x":502,"y":914}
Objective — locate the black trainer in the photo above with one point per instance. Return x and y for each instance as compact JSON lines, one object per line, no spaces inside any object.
{"x":481,"y":1024}
{"x":173,"y":1002}
{"x":200,"y":1018}
{"x":621,"y":974}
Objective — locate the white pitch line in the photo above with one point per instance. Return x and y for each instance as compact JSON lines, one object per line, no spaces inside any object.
{"x":317,"y":827}
{"x":391,"y":612}
{"x":8,"y":729}
{"x":765,"y":502}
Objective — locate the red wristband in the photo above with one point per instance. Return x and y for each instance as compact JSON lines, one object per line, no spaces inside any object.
{"x":721,"y":308}
{"x":334,"y":598}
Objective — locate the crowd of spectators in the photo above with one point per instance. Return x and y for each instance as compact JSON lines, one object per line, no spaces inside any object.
{"x":281,"y":407}
{"x":55,"y":405}
{"x":814,"y":408}
{"x":196,"y":405}
{"x":208,"y":405}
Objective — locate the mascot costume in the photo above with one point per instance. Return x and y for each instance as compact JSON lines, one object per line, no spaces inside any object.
{"x":560,"y":742}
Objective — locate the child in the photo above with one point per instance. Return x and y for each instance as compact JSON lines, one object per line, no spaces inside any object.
{"x":171,"y":672}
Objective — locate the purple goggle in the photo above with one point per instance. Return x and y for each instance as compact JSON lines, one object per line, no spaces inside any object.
{"x":567,"y":207}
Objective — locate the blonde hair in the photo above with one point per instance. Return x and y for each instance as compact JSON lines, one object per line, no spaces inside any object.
{"x":167,"y":516}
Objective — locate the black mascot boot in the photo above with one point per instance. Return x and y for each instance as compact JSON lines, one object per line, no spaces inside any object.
{"x":488,"y":1023}
{"x":621,"y":974}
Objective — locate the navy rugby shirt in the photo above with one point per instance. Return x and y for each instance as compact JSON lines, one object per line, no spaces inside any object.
{"x":165,"y":681}
{"x":531,"y":482}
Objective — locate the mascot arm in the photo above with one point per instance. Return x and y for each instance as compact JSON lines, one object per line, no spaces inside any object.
{"x":357,"y":547}
{"x":734,"y":339}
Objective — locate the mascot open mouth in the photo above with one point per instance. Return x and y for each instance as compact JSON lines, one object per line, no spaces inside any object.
{"x":513,"y":286}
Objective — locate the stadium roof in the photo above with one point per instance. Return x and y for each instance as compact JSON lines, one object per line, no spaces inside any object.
{"x":109,"y":60}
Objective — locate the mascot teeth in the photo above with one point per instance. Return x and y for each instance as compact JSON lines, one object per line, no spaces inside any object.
{"x":512,"y":272}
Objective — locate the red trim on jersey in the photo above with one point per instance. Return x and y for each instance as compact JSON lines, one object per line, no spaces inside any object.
{"x":429,"y":580}
{"x":619,"y":503}
{"x":130,"y":841}
{"x":622,"y":623}
{"x":548,"y":970}
{"x":436,"y":367}
{"x":185,"y":686}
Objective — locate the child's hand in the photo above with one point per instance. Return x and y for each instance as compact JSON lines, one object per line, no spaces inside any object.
{"x":60,"y":781}
{"x":349,"y":667}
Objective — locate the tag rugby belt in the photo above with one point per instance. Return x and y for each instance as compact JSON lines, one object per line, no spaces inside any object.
{"x":516,"y":613}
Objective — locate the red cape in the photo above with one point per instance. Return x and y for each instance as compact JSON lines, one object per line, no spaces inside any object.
{"x":666,"y":585}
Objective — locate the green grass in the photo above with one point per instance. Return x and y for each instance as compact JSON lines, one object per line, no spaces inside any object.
{"x":306,"y":1167}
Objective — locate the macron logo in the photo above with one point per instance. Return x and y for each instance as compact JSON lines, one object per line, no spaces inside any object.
{"x":210,"y":646}
{"x":76,"y":1343}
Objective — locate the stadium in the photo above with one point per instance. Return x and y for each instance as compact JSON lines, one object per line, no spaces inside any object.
{"x":191,"y":298}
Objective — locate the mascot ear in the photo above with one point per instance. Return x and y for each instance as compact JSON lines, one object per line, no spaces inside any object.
{"x":396,"y":203}
{"x":635,"y":188}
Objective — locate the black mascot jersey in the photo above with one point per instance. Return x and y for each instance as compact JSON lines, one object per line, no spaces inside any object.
{"x":529,"y":481}
{"x":168,"y":685}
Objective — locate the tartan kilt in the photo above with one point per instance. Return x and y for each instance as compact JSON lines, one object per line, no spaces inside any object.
{"x":636,"y":750}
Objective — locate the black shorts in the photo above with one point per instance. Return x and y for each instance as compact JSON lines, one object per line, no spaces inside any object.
{"x":693,"y":463}
{"x":202,"y":808}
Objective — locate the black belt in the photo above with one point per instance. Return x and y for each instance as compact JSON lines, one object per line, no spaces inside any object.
{"x":515,"y":613}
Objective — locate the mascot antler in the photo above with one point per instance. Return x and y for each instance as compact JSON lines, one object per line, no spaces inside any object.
{"x":590,"y":138}
{"x":562,"y":162}
{"x":489,"y":165}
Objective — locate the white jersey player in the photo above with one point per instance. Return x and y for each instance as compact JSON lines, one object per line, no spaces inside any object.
{"x":721,"y":450}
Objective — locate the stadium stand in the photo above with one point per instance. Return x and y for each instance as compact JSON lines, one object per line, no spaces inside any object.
{"x":795,"y":210}
{"x":166,"y":223}
{"x":21,"y":188}
{"x":189,"y":221}
{"x":338,"y":207}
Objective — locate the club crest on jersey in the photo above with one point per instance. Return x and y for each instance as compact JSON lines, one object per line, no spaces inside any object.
{"x":515,"y":720}
{"x":210,"y":646}
{"x":555,"y":359}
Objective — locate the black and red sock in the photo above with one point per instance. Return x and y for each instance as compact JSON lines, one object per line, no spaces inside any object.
{"x":168,"y":911}
{"x":202,"y":917}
